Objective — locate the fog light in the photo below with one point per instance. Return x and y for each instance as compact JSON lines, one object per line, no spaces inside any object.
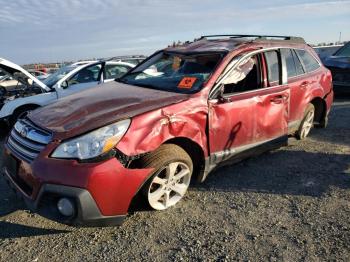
{"x":65,"y":207}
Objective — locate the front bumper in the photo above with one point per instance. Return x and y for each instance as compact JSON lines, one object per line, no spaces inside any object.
{"x":87,"y":213}
{"x":101,"y":192}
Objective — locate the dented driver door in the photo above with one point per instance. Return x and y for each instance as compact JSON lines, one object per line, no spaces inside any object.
{"x":249,"y":112}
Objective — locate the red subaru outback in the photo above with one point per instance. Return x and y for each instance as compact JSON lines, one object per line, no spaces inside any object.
{"x":173,"y":118}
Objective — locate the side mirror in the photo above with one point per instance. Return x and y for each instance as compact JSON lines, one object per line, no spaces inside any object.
{"x":64,"y":84}
{"x":222,"y":97}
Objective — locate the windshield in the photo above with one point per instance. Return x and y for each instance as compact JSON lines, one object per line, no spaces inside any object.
{"x":174,"y":72}
{"x":58,"y":75}
{"x":344,"y":51}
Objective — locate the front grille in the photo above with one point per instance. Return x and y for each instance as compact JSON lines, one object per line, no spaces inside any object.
{"x":27,"y":140}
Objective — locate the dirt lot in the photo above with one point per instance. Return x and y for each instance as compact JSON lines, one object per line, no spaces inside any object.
{"x":291,"y":204}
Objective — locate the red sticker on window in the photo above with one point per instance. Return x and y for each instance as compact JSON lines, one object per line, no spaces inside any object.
{"x":187,"y":82}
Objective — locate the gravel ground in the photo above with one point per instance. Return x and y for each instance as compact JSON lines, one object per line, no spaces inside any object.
{"x":291,"y":204}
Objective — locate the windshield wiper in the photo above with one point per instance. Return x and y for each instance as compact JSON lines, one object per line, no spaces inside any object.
{"x":145,"y":85}
{"x":123,"y":78}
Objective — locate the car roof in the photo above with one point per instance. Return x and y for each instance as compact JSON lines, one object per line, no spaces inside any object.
{"x":79,"y":63}
{"x":119,"y":63}
{"x":228,"y":43}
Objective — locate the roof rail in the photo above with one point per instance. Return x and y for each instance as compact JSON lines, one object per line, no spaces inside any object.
{"x":259,"y":37}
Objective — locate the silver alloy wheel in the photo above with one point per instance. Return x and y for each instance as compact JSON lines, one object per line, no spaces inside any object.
{"x":308,"y":123}
{"x":169,"y":185}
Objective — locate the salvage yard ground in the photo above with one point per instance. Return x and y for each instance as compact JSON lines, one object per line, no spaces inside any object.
{"x":291,"y":204}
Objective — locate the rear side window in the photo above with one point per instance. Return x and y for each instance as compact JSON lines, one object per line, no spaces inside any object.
{"x":273,"y":68}
{"x":288,"y":56}
{"x":310,"y":63}
{"x":115,"y":71}
{"x":298,"y":65}
{"x":86,"y":75}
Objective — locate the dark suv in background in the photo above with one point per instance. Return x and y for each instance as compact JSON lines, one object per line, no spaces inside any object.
{"x":339,"y":64}
{"x":172,"y":119}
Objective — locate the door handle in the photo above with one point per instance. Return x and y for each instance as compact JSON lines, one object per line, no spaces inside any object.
{"x":279,"y":99}
{"x":304,"y":84}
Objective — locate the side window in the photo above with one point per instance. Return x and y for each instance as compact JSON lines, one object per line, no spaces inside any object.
{"x":310,"y":63}
{"x":86,"y":75}
{"x":245,"y":77}
{"x":288,"y":56}
{"x":344,"y":51}
{"x":298,"y":65}
{"x":115,"y":71}
{"x":273,"y":68}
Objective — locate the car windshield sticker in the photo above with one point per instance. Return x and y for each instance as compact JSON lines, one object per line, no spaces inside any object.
{"x":187,"y":82}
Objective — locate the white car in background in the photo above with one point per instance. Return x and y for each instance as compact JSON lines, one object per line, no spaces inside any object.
{"x":39,"y":74}
{"x":68,"y":80}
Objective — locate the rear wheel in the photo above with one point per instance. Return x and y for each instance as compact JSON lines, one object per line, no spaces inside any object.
{"x":171,"y":178}
{"x":307,"y":122}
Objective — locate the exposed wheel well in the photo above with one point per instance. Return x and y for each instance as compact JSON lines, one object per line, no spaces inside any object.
{"x":26,"y":107}
{"x":20,"y":109}
{"x":194,"y":151}
{"x":320,"y":111}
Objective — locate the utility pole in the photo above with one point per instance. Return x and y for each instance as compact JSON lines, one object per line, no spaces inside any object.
{"x":339,"y":37}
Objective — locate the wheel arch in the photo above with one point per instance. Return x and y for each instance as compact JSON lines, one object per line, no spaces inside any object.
{"x":196,"y":153}
{"x":320,"y":111}
{"x":193,"y":149}
{"x":29,"y":106}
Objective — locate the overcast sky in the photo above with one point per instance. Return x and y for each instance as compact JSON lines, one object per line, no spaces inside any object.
{"x":57,"y":30}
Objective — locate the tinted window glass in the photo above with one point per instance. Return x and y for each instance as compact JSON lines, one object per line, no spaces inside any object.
{"x":310,"y":63}
{"x":245,"y":77}
{"x":86,"y":75}
{"x":273,"y":68}
{"x":298,"y":64}
{"x":288,"y":56}
{"x":344,"y":51}
{"x":115,"y":71}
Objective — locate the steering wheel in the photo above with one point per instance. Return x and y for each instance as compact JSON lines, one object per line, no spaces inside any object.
{"x":73,"y":82}
{"x":3,"y":91}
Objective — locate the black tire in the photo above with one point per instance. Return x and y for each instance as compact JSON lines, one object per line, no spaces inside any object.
{"x":159,"y":159}
{"x":3,"y":91}
{"x":302,"y":133}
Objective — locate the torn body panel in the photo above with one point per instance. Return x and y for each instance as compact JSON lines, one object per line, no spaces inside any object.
{"x":148,"y":131}
{"x":90,"y":109}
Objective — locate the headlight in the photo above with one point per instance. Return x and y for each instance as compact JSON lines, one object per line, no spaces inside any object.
{"x":94,"y":143}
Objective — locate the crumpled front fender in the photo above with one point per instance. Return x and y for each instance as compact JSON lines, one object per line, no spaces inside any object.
{"x":148,"y":131}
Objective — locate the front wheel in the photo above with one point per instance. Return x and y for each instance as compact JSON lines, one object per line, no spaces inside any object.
{"x":307,"y":122}
{"x":171,"y":178}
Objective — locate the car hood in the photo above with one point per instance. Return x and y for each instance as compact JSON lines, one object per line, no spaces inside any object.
{"x":105,"y":104}
{"x":11,"y":69}
{"x":338,"y":61}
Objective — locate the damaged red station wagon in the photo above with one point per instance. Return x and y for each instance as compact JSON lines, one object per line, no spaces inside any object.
{"x":172,"y":119}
